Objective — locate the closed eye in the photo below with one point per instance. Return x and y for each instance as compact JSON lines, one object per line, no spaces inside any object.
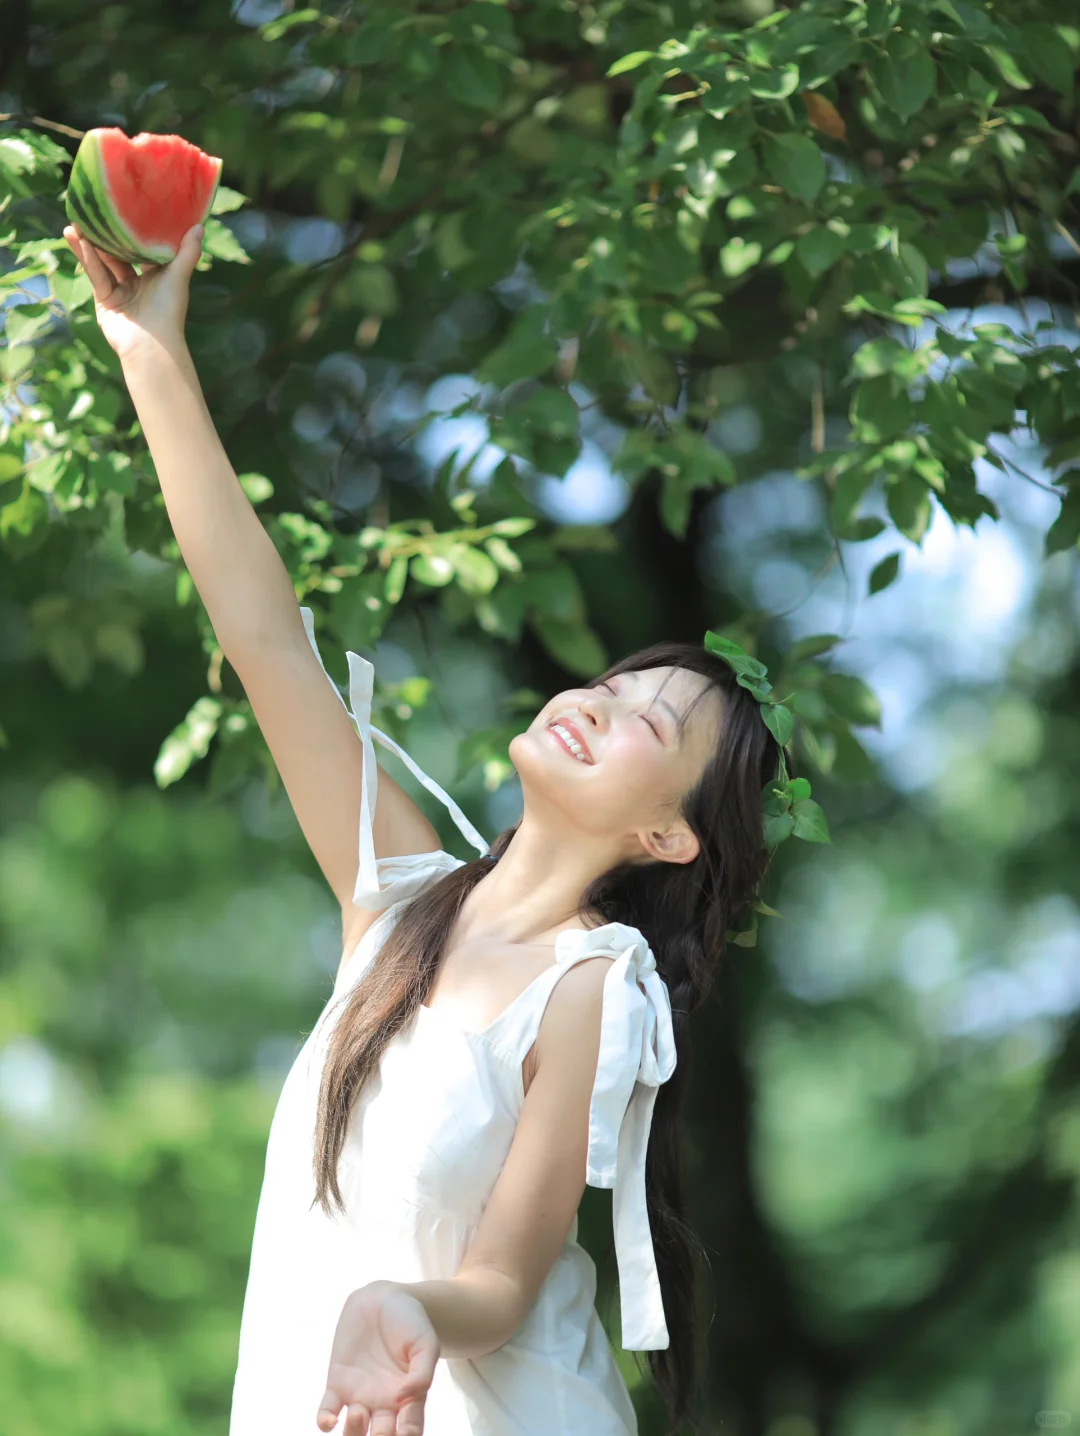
{"x":652,"y":725}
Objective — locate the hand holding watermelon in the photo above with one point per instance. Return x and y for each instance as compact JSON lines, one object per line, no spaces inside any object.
{"x":139,"y":201}
{"x":137,"y":311}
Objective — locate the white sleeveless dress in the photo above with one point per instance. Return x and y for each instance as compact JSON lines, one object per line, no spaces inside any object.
{"x":427,"y":1140}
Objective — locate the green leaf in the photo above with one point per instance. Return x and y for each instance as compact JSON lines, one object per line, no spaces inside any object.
{"x":189,"y":741}
{"x":396,"y":575}
{"x":1048,"y":52}
{"x":476,"y":572}
{"x":809,"y":822}
{"x":27,"y":322}
{"x":796,"y":164}
{"x":503,"y":554}
{"x":819,"y":249}
{"x":630,"y":62}
{"x":908,"y":501}
{"x":257,"y":487}
{"x":852,"y":699}
{"x":851,"y":762}
{"x":884,"y":573}
{"x":778,"y":827}
{"x":71,"y":290}
{"x":226,"y":199}
{"x":749,"y":671}
{"x":738,"y":255}
{"x":433,"y":569}
{"x":861,"y":529}
{"x":881,"y":16}
{"x":775,"y":84}
{"x":1009,"y":70}
{"x":780,"y":721}
{"x":879,"y":412}
{"x":574,"y":645}
{"x":675,"y":500}
{"x":513,"y":527}
{"x":472,"y":79}
{"x":813,"y":645}
{"x":220,"y":243}
{"x":1064,"y":532}
{"x":905,"y":76}
{"x":766,"y":911}
{"x":527,"y":350}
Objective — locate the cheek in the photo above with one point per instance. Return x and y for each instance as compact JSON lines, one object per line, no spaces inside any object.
{"x":638,"y":774}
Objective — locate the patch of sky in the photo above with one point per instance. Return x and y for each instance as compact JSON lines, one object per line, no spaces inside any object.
{"x":519,"y":289}
{"x":1037,"y":976}
{"x":34,"y":290}
{"x":345,"y":371}
{"x":928,"y":954}
{"x":466,"y":435}
{"x":254,"y":229}
{"x":831,"y":943}
{"x":738,"y":430}
{"x":256,"y":12}
{"x":310,"y":241}
{"x":36,"y":1090}
{"x":963,"y":606}
{"x":589,"y":493}
{"x":984,"y":975}
{"x":311,"y":83}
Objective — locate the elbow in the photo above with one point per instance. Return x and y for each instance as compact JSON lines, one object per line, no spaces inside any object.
{"x":505,"y":1301}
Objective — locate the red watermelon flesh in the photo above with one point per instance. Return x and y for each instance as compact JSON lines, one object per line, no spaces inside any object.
{"x":137,"y":198}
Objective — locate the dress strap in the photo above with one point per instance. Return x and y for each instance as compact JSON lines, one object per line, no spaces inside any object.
{"x":637,"y":1054}
{"x":400,"y":871}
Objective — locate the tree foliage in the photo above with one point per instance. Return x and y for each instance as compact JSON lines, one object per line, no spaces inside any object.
{"x":596,"y":227}
{"x":593,"y":211}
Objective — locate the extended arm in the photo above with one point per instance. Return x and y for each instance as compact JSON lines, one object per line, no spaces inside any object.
{"x":238,"y":572}
{"x":249,"y":597}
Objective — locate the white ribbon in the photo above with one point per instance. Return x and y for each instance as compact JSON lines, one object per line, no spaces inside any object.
{"x":637,"y":1054}
{"x":404,"y":875}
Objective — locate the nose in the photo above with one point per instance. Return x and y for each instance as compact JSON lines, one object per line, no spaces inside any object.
{"x":590,"y":707}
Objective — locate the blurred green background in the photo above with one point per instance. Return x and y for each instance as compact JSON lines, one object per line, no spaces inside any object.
{"x":477,"y":266}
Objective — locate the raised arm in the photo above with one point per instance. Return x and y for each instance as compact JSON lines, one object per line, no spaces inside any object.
{"x":241,"y":578}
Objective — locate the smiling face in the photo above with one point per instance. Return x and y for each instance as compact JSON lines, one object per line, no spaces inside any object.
{"x":617,"y":759}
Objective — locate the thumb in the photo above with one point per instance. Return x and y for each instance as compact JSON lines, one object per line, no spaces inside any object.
{"x":190,"y":249}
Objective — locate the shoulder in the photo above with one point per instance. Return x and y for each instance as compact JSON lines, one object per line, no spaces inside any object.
{"x":569,"y":1030}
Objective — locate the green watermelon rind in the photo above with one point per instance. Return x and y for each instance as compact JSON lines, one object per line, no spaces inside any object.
{"x":86,"y":188}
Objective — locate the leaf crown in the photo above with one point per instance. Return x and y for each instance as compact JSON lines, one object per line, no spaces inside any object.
{"x":789,"y":809}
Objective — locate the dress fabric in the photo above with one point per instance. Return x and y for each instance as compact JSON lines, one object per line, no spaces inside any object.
{"x":427,"y":1140}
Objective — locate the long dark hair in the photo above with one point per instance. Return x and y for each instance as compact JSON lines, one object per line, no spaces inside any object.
{"x":684,"y":911}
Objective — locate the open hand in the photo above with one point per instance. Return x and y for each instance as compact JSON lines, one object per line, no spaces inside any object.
{"x":381,"y":1364}
{"x":138,"y":309}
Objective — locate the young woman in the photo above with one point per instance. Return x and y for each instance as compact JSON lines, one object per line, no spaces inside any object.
{"x":501,"y":1031}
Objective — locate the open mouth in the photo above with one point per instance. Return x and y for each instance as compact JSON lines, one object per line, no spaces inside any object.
{"x":569,"y":742}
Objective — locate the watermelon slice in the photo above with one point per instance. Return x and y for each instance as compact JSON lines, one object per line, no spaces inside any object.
{"x":136,"y":199}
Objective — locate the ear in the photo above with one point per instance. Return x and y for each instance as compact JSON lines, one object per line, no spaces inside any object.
{"x":676,"y":844}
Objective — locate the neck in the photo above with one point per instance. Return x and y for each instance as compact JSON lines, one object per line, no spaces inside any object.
{"x":535,"y":887}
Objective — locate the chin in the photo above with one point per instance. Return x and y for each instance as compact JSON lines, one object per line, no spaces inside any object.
{"x":541,"y":765}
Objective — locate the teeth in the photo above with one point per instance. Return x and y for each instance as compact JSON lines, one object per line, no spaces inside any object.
{"x":571,"y":742}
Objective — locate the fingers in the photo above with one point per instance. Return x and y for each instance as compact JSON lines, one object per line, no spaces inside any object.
{"x":356,"y":1422}
{"x":102,"y":281}
{"x":329,"y":1409}
{"x":120,"y":270}
{"x":410,"y":1419}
